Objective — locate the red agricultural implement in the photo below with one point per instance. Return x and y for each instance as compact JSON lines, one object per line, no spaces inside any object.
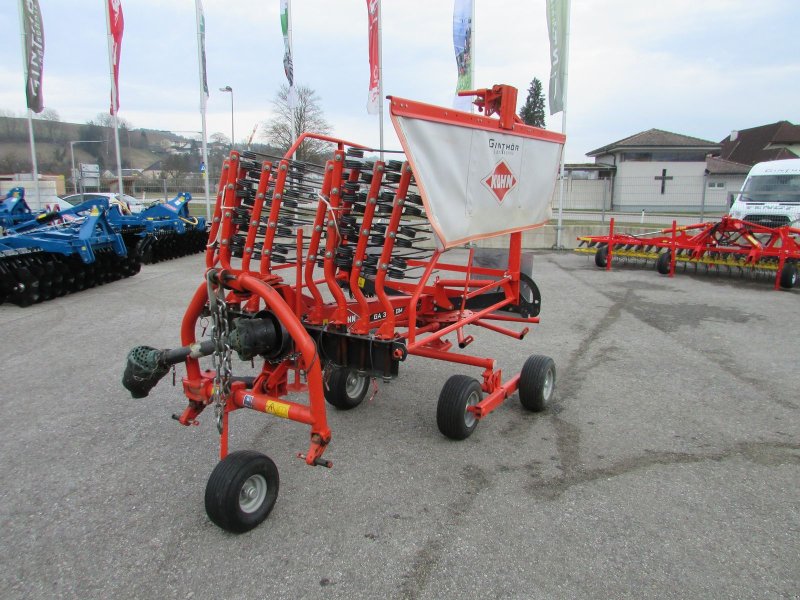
{"x":332,"y":275}
{"x":728,"y":246}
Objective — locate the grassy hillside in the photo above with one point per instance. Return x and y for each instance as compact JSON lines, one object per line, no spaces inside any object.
{"x":140,"y":148}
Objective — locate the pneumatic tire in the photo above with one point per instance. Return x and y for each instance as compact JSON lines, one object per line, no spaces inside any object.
{"x":662,"y":264}
{"x":346,"y":388}
{"x":788,"y":276}
{"x":452,"y":417}
{"x":537,"y":382}
{"x":241,"y":491}
{"x":601,"y":257}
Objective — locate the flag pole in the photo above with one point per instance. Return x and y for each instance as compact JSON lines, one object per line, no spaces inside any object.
{"x":380,"y":77}
{"x":34,"y":165}
{"x":114,"y":90}
{"x":295,"y":133}
{"x":472,"y":52}
{"x":560,"y":225}
{"x":203,"y":102}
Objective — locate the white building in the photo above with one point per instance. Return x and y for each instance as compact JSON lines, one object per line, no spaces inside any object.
{"x":656,"y":171}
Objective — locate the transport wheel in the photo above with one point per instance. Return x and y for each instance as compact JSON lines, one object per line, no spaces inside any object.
{"x":241,"y":491}
{"x":346,"y":388}
{"x":662,"y":264}
{"x":530,"y":299}
{"x":452,"y":417}
{"x":601,"y":257}
{"x":788,"y":276}
{"x":537,"y":382}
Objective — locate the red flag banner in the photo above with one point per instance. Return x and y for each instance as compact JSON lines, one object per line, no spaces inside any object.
{"x":116,"y":25}
{"x":374,"y":64}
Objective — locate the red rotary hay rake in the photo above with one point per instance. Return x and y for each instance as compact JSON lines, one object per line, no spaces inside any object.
{"x":728,"y":246}
{"x":364,"y":296}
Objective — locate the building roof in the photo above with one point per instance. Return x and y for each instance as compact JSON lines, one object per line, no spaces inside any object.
{"x":656,"y":139}
{"x":719,"y":166}
{"x":759,"y":144}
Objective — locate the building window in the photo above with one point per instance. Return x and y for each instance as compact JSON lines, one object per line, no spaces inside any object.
{"x":716,"y":185}
{"x":664,"y":156}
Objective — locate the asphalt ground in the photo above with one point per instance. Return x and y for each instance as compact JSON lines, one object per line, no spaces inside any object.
{"x":668,"y":466}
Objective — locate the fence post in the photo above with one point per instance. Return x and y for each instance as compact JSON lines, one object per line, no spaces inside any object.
{"x":703,"y":198}
{"x":605,"y":195}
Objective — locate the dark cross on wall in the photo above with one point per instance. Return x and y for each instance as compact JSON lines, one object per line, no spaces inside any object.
{"x":663,"y":179}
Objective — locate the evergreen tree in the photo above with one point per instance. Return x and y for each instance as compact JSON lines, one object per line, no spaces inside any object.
{"x":532,"y":112}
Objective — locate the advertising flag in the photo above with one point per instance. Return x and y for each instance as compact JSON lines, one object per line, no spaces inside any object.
{"x":34,"y":54}
{"x":462,"y":43}
{"x":557,"y":23}
{"x":373,"y":100}
{"x":116,"y":25}
{"x":201,"y":32}
{"x":288,"y":65}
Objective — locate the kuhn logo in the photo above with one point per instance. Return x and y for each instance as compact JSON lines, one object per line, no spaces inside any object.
{"x":500,"y":181}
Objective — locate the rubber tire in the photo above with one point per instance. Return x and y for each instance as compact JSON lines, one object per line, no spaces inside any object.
{"x":662,"y":264}
{"x":601,"y":257}
{"x":532,"y":389}
{"x":788,"y":276}
{"x":336,"y":389}
{"x":225,"y":484}
{"x":451,"y":411}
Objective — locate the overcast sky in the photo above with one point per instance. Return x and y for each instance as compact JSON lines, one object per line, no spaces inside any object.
{"x":695,"y":67}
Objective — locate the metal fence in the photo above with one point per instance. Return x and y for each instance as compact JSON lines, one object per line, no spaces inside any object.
{"x":158,"y":188}
{"x":627,"y":199}
{"x":686,"y":199}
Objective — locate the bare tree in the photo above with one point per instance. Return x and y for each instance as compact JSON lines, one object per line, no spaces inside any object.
{"x":307,"y":117}
{"x":107,"y":120}
{"x":50,"y":120}
{"x":220,"y":138}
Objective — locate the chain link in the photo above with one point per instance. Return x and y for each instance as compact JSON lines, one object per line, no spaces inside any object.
{"x":220,"y":333}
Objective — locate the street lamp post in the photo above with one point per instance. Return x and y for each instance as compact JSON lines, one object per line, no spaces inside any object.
{"x":72,"y":155}
{"x":228,"y":88}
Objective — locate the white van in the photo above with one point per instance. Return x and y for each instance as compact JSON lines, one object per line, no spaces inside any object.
{"x":770,"y":195}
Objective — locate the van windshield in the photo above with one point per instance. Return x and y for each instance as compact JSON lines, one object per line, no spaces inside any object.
{"x":772,"y":188}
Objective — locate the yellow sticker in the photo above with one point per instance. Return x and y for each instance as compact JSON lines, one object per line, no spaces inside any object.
{"x":279,"y":409}
{"x":361,"y":282}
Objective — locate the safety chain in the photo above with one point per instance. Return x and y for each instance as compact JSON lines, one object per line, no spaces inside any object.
{"x":220,"y":333}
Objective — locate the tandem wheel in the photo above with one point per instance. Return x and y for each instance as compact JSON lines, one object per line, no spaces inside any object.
{"x":537,"y":382}
{"x":663,"y":262}
{"x":788,"y":276}
{"x":601,"y":257}
{"x":346,"y":388}
{"x":241,"y":491}
{"x":452,"y":417}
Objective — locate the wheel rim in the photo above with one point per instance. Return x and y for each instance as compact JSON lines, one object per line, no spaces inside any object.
{"x":547,"y":386}
{"x":469,"y":416}
{"x":355,"y":384}
{"x":253,"y":493}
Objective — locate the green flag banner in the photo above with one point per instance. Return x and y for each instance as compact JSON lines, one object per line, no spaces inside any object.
{"x":288,"y":67}
{"x":557,"y":23}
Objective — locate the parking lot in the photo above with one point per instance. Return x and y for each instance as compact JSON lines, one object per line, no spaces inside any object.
{"x":669,"y":465}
